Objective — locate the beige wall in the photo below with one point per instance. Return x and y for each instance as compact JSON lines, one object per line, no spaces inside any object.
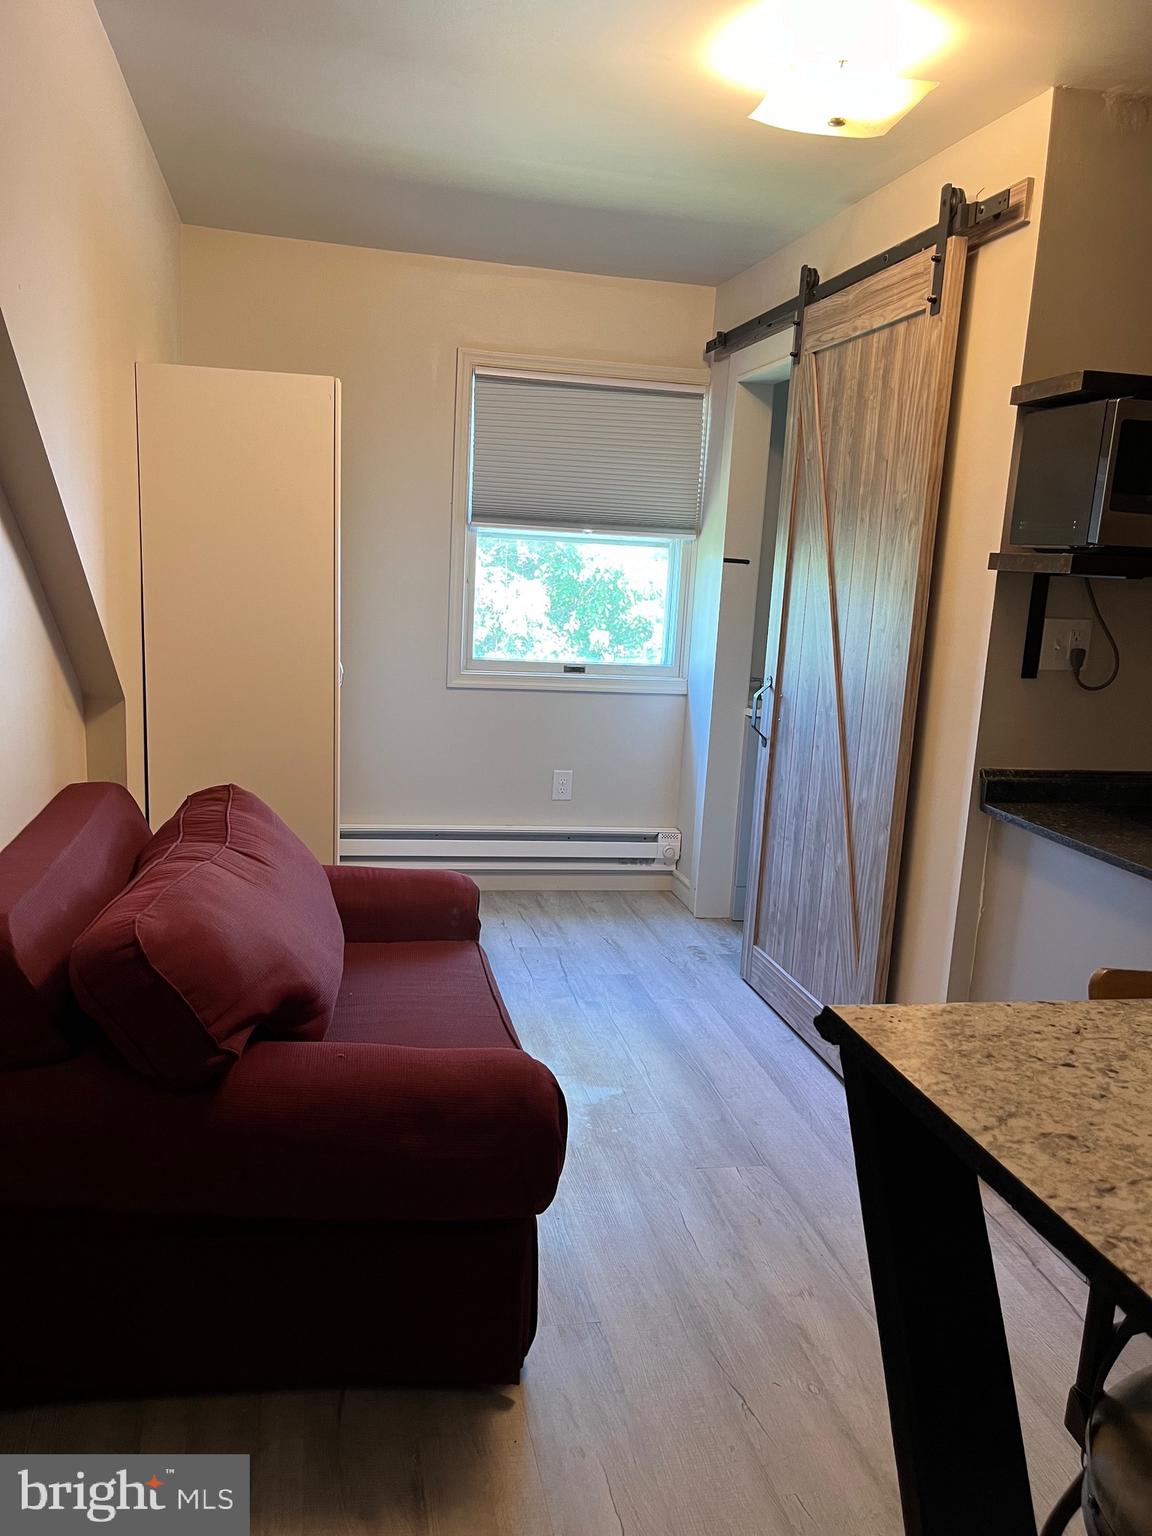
{"x":39,"y":702}
{"x":1090,"y":309}
{"x":989,"y":363}
{"x":1090,"y":303}
{"x":389,"y":325}
{"x":89,"y":257}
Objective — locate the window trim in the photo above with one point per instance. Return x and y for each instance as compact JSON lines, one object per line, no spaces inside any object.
{"x":462,"y":672}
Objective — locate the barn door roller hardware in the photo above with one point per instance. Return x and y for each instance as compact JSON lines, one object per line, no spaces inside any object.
{"x":978,"y":220}
{"x":809,"y":282}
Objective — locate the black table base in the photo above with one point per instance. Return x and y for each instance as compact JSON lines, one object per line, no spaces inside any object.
{"x":955,"y":1424}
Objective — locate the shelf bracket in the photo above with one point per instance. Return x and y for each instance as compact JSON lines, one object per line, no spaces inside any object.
{"x":1034,"y":625}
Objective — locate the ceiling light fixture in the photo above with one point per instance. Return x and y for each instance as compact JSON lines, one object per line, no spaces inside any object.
{"x":841,"y":68}
{"x":840,"y":101}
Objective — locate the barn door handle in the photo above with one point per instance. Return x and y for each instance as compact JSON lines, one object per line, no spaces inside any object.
{"x":758,"y":708}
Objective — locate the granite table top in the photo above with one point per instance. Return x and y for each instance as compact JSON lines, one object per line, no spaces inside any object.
{"x":1059,"y":1094}
{"x":1105,"y":815}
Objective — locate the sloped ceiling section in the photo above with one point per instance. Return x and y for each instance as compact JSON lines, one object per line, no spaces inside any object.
{"x":34,"y":497}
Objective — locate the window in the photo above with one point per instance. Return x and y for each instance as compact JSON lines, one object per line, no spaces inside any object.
{"x":550,"y":600}
{"x":578,"y":504}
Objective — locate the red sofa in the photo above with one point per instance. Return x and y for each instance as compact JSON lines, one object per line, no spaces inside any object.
{"x":356,"y":1209}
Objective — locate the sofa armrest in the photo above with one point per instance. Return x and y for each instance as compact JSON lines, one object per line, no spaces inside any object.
{"x":298,"y":1130}
{"x":366,"y":1131}
{"x":383,"y":906}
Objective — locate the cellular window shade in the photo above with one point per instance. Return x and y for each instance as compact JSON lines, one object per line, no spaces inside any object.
{"x":565,"y":454}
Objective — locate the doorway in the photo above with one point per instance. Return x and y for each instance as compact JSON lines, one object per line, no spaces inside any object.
{"x":731,"y":596}
{"x":775,"y":393}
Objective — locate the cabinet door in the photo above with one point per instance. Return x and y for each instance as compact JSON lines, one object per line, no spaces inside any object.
{"x":868,"y":415}
{"x":240,"y":567}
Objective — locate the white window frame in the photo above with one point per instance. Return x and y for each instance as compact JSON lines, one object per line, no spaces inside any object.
{"x":463,"y":671}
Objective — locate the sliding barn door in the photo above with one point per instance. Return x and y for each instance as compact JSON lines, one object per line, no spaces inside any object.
{"x":868,"y":414}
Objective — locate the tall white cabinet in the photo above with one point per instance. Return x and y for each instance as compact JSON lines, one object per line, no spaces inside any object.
{"x":240,"y":558}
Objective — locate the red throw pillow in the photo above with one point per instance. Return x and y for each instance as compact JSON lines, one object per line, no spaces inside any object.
{"x":229,"y":923}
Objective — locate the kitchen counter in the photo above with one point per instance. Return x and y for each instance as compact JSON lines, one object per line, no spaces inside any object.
{"x":1108,"y":816}
{"x":1058,"y":1094}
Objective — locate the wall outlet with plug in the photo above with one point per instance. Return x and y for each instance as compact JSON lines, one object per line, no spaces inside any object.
{"x":1061,"y":638}
{"x":561,"y":783}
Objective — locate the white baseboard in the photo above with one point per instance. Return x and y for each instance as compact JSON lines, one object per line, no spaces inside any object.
{"x":682,"y":889}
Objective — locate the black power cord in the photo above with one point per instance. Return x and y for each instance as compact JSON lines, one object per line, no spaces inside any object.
{"x":1078,"y":655}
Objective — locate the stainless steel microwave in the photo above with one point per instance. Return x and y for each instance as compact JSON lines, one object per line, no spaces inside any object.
{"x":1082,"y":476}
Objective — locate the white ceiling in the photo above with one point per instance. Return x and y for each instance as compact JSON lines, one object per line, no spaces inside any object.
{"x":582,"y":134}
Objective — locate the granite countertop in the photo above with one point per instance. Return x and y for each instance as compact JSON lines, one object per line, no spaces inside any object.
{"x":1105,"y":815}
{"x":1060,"y":1095}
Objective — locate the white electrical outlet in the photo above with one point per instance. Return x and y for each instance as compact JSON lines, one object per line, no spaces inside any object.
{"x":1061,"y":638}
{"x":561,"y":783}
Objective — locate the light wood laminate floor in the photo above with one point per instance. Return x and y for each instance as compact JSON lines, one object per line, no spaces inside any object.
{"x":707,"y":1362}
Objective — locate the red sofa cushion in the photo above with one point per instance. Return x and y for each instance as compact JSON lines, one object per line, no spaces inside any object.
{"x":55,"y":876}
{"x":432,"y":994}
{"x":229,"y":924}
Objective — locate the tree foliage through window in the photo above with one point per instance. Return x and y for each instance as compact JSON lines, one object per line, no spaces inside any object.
{"x":544,"y":598}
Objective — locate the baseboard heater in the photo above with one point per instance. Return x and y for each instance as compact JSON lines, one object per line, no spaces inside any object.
{"x":515,"y":850}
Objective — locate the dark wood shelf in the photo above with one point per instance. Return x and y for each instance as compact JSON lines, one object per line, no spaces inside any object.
{"x":1085,"y":384}
{"x":1132,"y":564}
